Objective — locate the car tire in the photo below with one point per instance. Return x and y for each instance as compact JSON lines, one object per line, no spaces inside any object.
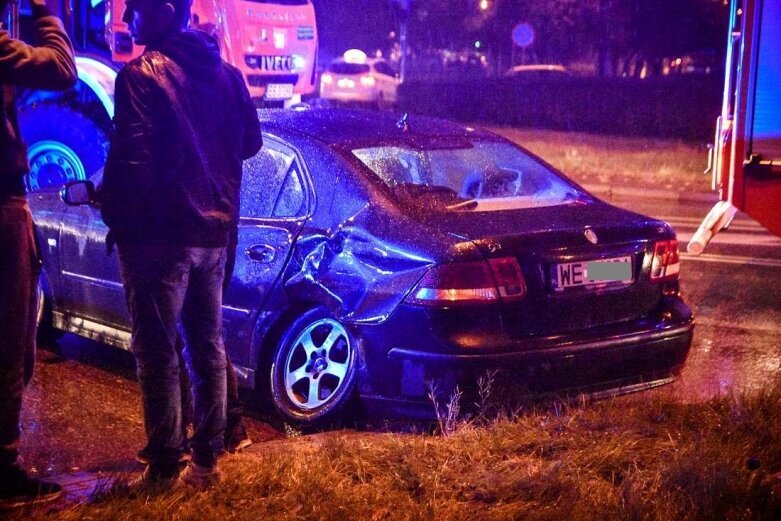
{"x":315,"y":350}
{"x":47,"y":334}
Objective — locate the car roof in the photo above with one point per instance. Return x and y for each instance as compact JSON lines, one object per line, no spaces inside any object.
{"x":340,"y":126}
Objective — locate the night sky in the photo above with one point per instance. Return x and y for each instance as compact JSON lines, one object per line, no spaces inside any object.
{"x":363,"y":24}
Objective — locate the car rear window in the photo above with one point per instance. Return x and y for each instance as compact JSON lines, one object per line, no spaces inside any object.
{"x":348,"y":68}
{"x":487,"y":176}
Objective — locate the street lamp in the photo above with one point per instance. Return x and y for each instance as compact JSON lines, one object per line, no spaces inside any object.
{"x":484,"y":5}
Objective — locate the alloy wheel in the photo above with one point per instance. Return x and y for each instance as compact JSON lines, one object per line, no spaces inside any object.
{"x":318,"y":365}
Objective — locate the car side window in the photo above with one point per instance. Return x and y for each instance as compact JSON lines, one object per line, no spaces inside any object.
{"x":265,"y":178}
{"x":290,"y":201}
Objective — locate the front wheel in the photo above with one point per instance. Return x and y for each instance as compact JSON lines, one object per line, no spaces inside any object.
{"x":313,"y":370}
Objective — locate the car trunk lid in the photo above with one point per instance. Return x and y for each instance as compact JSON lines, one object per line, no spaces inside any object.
{"x":554,"y":247}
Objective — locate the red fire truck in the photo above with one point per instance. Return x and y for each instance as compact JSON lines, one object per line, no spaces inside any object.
{"x":745,"y":160}
{"x":273,"y":42}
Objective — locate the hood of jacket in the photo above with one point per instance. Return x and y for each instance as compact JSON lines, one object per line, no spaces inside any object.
{"x":195,"y":51}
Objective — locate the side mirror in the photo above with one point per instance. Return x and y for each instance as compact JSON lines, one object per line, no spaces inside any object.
{"x":78,"y":193}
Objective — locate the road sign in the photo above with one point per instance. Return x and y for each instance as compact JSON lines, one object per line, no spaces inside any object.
{"x":523,"y":34}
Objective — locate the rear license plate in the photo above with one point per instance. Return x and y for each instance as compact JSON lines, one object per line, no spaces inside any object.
{"x":591,"y":273}
{"x":277,"y":91}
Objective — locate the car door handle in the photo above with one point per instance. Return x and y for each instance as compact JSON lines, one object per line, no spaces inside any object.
{"x":261,"y":253}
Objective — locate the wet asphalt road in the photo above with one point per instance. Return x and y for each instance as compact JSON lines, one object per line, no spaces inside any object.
{"x":82,"y":412}
{"x":734,"y":289}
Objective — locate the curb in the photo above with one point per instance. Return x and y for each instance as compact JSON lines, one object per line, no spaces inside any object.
{"x":651,"y":193}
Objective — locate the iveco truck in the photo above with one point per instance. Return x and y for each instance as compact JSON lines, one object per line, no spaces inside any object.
{"x":273,"y":43}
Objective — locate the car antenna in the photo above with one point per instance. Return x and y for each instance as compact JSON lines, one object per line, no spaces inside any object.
{"x":403,"y":123}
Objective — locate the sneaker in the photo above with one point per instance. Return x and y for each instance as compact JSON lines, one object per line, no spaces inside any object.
{"x":201,"y":477}
{"x":149,"y":479}
{"x":237,"y":438}
{"x":142,"y":456}
{"x":18,"y":489}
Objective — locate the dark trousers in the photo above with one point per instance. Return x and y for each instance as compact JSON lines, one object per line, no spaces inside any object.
{"x":19,"y":268}
{"x":235,"y":411}
{"x":166,"y":284}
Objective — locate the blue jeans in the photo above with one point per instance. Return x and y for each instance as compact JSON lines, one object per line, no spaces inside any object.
{"x":169,"y":285}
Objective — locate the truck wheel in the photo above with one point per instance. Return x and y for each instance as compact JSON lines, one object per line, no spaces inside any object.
{"x":62,"y":145}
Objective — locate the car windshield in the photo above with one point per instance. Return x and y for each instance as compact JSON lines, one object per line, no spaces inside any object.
{"x":348,"y":68}
{"x":486,"y":176}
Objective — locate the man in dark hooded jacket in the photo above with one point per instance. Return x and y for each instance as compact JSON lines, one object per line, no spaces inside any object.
{"x":49,"y":65}
{"x":184,"y":122}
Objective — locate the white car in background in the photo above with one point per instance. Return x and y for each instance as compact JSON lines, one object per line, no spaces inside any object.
{"x":356,"y":78}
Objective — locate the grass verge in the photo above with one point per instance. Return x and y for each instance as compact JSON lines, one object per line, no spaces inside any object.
{"x":641,"y":457}
{"x":637,"y":162}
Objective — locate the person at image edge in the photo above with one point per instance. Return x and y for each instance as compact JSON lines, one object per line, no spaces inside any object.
{"x":48,"y":65}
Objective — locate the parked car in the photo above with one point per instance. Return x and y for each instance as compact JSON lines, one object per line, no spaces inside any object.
{"x":356,"y":78}
{"x":699,"y":63}
{"x":464,"y":60}
{"x":379,"y":255}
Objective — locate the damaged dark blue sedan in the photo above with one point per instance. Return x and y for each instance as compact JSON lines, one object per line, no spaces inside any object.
{"x":381,"y":258}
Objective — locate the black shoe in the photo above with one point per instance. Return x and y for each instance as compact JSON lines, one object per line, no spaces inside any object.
{"x":237,"y":438}
{"x":18,"y":489}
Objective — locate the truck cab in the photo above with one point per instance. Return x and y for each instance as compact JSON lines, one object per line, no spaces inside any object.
{"x":272,"y":42}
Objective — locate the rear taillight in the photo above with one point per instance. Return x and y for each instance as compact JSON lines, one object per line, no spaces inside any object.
{"x":509,"y":278}
{"x":666,"y":262}
{"x":470,"y":283}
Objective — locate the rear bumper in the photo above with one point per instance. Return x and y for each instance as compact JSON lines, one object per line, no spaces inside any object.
{"x":620,"y":363}
{"x":565,"y":352}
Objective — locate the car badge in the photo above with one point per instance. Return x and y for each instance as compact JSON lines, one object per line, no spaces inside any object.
{"x":591,"y":236}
